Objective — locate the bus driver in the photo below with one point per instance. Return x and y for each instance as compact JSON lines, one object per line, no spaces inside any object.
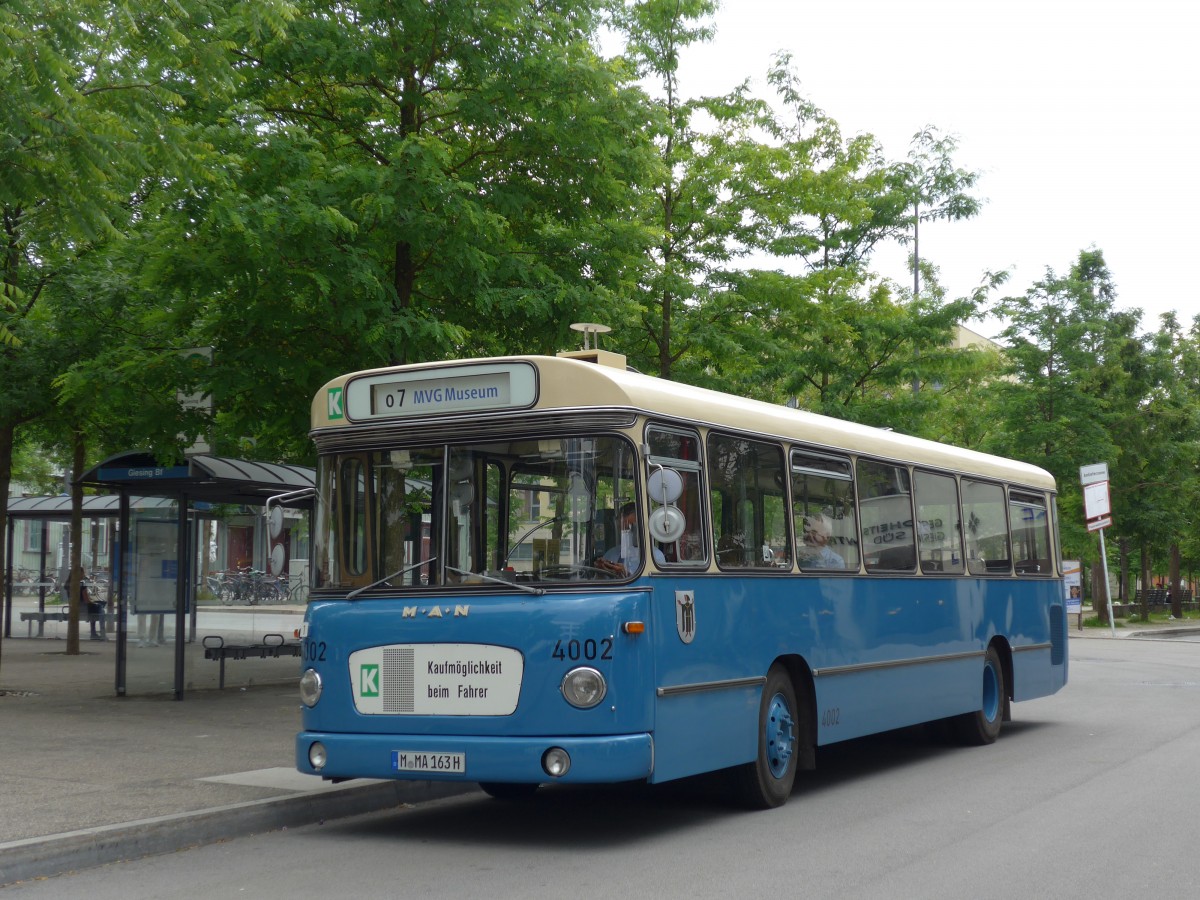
{"x":625,"y":556}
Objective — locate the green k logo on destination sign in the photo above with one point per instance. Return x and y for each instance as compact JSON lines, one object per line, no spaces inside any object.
{"x":335,"y":403}
{"x":368,"y":680}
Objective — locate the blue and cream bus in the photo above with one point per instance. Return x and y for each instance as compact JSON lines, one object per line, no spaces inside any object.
{"x":532,"y":570}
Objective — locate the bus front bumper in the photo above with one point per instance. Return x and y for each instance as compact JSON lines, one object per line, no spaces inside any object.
{"x":517,"y":760}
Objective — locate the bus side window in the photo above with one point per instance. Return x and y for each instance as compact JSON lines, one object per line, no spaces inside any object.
{"x":1030,"y":533}
{"x":939,"y":531}
{"x":826,"y":525}
{"x":986,"y":528}
{"x":679,"y":451}
{"x":749,"y":523}
{"x":885,"y":501}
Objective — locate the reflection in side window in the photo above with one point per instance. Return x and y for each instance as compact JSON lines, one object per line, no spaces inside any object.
{"x":353,"y":495}
{"x":1030,"y":533}
{"x":986,"y":528}
{"x":885,"y":499}
{"x":823,"y":512}
{"x":939,"y":535}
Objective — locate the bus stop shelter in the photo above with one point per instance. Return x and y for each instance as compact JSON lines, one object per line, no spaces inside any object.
{"x":152,"y":510}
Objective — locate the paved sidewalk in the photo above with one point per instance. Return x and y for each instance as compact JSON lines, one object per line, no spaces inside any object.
{"x":1126,"y":629}
{"x":88,"y":778}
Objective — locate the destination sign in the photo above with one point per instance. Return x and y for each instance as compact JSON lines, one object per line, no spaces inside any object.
{"x":441,"y":391}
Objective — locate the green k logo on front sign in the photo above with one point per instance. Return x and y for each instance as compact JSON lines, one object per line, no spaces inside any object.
{"x":368,"y":680}
{"x":335,"y":403}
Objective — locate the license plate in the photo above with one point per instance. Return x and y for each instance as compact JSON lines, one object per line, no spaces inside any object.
{"x":427,"y":761}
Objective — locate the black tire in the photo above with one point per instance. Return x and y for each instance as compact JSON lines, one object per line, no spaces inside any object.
{"x":503,"y":790}
{"x":767,"y":782}
{"x":983,"y":726}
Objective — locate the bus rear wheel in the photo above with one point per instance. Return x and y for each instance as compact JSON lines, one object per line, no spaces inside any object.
{"x":983,"y":726}
{"x":767,"y":782}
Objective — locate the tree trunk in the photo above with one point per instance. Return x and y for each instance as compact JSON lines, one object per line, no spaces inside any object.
{"x":78,"y":455}
{"x":404,"y":280}
{"x":7,"y":433}
{"x":1123,"y":554}
{"x":1145,"y":607}
{"x":1176,"y":586}
{"x":1098,"y":595}
{"x":6,"y":460}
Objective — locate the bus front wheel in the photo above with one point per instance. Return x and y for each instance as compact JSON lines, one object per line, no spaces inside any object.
{"x":767,"y":782}
{"x":983,"y":725}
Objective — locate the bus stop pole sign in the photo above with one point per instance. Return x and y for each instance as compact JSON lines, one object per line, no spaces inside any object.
{"x":1097,"y":508}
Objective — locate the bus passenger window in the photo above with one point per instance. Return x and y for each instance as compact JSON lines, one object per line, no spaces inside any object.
{"x":1030,"y":533}
{"x":747,"y":487}
{"x":939,"y":532}
{"x":678,"y":451}
{"x":823,"y":511}
{"x":986,"y":528}
{"x":885,"y":500}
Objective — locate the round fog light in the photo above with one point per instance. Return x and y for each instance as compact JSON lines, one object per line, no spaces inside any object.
{"x":556,"y":762}
{"x":584,"y":687}
{"x":317,"y":757}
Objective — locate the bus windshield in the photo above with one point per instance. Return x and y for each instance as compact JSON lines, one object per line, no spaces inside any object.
{"x":534,"y":511}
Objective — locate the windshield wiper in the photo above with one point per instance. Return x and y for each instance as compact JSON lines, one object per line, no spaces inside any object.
{"x":354,"y":593}
{"x":545,"y":523}
{"x":492,"y":578}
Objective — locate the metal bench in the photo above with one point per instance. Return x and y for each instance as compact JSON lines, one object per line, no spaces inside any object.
{"x":58,"y":615}
{"x":273,"y":646}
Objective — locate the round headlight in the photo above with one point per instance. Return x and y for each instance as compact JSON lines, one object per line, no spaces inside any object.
{"x":317,"y":757}
{"x":584,"y":687}
{"x":310,"y":688}
{"x":556,"y":762}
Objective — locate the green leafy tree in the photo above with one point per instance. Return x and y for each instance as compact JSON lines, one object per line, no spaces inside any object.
{"x":1074,"y":378}
{"x":88,"y":126}
{"x":937,"y":188}
{"x":694,"y":202}
{"x":836,"y":338}
{"x":402,"y":182}
{"x":1162,"y":446}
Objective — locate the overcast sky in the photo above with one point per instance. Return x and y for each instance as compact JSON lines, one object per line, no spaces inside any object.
{"x":1081,"y":117}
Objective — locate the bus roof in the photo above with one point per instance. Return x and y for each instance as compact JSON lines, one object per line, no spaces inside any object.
{"x":567,"y":384}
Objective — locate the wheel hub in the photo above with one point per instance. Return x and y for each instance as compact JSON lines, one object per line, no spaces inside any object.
{"x":780,"y":736}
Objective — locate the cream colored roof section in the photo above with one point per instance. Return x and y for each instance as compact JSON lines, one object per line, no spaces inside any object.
{"x":571,"y":384}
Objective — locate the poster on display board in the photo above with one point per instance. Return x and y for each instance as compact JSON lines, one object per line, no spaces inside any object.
{"x":156,"y":565}
{"x":1073,"y":586}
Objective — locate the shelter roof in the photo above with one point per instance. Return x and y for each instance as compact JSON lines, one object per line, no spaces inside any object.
{"x":212,"y":479}
{"x":93,"y":506}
